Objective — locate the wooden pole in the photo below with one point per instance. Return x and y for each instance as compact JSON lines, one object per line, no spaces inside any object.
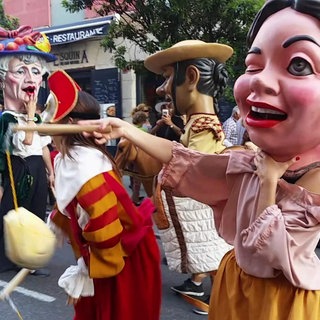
{"x":15,"y":281}
{"x":58,"y":129}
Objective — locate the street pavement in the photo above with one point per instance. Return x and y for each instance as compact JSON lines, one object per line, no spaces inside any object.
{"x":41,"y":298}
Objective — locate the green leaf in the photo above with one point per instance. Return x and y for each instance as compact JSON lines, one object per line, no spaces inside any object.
{"x":158,"y":24}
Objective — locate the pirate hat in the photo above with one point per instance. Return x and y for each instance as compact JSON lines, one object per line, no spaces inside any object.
{"x":186,"y":50}
{"x":62,"y":98}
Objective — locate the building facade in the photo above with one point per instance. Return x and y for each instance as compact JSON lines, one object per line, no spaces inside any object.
{"x":75,"y":40}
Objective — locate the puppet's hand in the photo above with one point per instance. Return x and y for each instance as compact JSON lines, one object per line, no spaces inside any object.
{"x":108,"y":129}
{"x":28,"y":138}
{"x":269,"y":169}
{"x":31,"y":106}
{"x":251,"y":146}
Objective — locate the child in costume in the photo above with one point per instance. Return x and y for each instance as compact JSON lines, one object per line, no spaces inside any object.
{"x":117,"y":276}
{"x":266,"y":203}
{"x":23,"y":59}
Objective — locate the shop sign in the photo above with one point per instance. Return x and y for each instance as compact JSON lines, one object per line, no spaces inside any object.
{"x":73,"y":32}
{"x":70,"y":57}
{"x":77,"y":35}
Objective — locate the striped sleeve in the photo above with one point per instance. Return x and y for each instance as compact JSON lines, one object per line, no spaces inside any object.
{"x":103,"y":230}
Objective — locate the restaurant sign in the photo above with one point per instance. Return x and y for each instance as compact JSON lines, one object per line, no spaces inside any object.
{"x":77,"y":32}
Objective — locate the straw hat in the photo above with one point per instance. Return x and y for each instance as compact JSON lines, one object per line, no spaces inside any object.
{"x":185,"y":50}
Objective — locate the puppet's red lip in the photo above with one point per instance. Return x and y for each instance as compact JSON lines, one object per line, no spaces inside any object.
{"x":261,"y":123}
{"x":29,"y":90}
{"x":264,"y":117}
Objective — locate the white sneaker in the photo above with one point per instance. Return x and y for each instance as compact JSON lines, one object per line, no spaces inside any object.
{"x":199,"y":311}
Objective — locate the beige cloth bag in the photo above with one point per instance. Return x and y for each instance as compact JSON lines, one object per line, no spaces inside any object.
{"x":29,"y":242}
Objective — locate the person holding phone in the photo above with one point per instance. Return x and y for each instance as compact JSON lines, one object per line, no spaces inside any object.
{"x":170,"y":126}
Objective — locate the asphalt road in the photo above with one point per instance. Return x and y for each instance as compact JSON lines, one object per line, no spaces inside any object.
{"x":42,"y":299}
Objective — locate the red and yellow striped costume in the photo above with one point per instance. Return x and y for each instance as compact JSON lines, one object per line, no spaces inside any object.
{"x":120,"y":250}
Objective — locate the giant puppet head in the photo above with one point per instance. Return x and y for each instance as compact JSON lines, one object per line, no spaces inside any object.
{"x":201,"y":62}
{"x":23,"y":57}
{"x":279,"y":96}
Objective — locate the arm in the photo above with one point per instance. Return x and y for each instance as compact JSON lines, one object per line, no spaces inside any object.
{"x":31,"y":109}
{"x":99,"y":221}
{"x":157,"y":126}
{"x":103,"y":229}
{"x":48,"y":164}
{"x":269,"y":172}
{"x":168,"y":121}
{"x":284,"y":233}
{"x":158,"y":148}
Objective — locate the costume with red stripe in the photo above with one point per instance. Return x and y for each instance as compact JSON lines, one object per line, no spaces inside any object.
{"x":115,"y":239}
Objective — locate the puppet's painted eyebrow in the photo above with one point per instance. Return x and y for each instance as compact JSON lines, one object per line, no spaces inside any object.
{"x":254,"y":50}
{"x":294,"y":39}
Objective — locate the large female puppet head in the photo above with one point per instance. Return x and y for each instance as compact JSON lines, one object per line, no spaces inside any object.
{"x":279,"y":95}
{"x":23,"y":57}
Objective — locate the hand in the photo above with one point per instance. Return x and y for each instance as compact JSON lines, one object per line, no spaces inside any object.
{"x":250,"y":146}
{"x":31,"y":106}
{"x":108,"y":129}
{"x":160,"y":122}
{"x":28,"y":136}
{"x":50,"y":178}
{"x":167,"y":120}
{"x":269,"y":169}
{"x":72,"y":301}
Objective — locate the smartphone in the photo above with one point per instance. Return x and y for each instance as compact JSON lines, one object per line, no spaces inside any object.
{"x":165,"y":112}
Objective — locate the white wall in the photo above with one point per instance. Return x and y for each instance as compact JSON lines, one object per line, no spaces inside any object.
{"x":59,"y":16}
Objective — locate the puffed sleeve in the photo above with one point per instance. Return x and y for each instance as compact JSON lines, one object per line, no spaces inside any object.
{"x":196,"y":175}
{"x":103,"y":229}
{"x":45,"y":140}
{"x":285,"y":236}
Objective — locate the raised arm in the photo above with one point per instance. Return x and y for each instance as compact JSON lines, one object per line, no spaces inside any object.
{"x":31,"y":109}
{"x":158,"y":148}
{"x":269,"y":172}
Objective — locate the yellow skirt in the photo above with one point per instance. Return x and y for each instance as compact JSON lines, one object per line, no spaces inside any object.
{"x":239,"y":296}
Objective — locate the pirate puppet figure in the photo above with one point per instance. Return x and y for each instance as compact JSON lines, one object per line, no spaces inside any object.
{"x":195,"y":78}
{"x":113,"y":241}
{"x":24,"y":54}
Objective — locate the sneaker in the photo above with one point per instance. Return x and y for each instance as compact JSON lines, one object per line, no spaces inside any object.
{"x":203,"y":310}
{"x":40,"y":273}
{"x":188,"y":287}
